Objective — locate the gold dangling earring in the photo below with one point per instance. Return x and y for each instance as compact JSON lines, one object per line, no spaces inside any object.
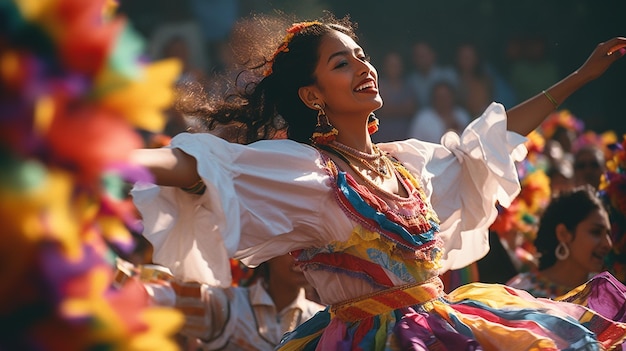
{"x":324,"y":132}
{"x":372,"y":124}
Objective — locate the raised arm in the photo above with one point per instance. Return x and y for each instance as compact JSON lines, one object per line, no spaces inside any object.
{"x":170,"y":167}
{"x":529,"y":114}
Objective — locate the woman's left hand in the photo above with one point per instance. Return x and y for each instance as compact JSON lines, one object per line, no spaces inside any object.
{"x":602,"y":57}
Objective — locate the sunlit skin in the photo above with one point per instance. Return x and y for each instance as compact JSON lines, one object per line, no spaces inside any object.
{"x":347,"y":86}
{"x":588,"y":246}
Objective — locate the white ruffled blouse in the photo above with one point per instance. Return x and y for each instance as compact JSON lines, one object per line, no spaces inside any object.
{"x":275,"y":196}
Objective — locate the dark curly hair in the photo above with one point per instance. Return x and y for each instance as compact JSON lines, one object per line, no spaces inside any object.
{"x":253,"y":106}
{"x":570,"y":208}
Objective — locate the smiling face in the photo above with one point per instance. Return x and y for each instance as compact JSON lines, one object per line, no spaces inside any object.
{"x":346,"y":83}
{"x":591,"y":242}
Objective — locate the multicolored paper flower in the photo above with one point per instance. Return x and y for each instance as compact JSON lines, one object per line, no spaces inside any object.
{"x":73,"y":91}
{"x":602,"y":140}
{"x":613,"y":190}
{"x":562,"y":119}
{"x":518,"y":223}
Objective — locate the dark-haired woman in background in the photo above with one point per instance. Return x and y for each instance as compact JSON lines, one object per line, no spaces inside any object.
{"x":573,"y":239}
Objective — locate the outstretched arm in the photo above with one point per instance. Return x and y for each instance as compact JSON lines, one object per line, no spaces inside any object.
{"x":170,"y":167}
{"x":528,"y":115}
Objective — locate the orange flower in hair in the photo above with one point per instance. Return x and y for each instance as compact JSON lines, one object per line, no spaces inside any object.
{"x":284,"y":46}
{"x":297,"y":27}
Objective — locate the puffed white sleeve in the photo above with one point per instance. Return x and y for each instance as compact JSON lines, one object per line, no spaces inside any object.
{"x":262,"y":200}
{"x":464,"y":177}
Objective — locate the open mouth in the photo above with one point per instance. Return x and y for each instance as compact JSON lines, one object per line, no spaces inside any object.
{"x":366,"y":86}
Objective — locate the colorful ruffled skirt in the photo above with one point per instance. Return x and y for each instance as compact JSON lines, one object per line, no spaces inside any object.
{"x":476,"y":316}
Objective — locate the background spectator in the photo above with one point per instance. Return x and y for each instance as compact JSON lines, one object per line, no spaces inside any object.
{"x":442,"y":115}
{"x":475,"y":84}
{"x":426,"y":72}
{"x":400,"y":101}
{"x":589,"y":164}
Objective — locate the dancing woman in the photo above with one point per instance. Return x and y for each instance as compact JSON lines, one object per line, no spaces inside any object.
{"x":371,"y":225}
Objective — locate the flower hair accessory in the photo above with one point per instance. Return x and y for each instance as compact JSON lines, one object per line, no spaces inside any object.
{"x":284,"y":46}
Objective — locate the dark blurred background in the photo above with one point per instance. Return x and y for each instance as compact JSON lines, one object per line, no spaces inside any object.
{"x":569,"y":28}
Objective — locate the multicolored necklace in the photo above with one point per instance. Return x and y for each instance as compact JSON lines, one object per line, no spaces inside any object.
{"x":377,"y":162}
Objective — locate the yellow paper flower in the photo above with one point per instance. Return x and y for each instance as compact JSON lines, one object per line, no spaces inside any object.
{"x":163,"y":323}
{"x":142,"y":101}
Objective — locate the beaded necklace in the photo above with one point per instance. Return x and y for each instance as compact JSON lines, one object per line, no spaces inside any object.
{"x":372,"y":185}
{"x":356,"y":153}
{"x":377,"y":162}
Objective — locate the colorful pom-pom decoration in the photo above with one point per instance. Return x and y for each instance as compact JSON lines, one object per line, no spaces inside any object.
{"x":613,"y":191}
{"x":74,"y":92}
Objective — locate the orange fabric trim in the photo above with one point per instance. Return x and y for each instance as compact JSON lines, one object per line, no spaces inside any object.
{"x":388,"y":300}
